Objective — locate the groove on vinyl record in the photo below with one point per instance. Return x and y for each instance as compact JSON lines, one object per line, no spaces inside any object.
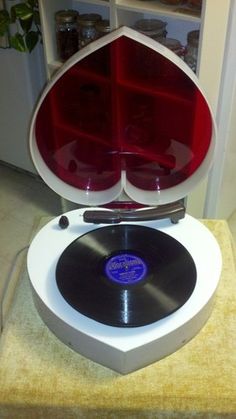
{"x":126,"y":275}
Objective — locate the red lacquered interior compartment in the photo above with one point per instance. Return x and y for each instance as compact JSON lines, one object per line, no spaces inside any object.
{"x":124,"y":107}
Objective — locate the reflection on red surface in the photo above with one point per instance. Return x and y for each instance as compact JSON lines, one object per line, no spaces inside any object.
{"x":124,"y":107}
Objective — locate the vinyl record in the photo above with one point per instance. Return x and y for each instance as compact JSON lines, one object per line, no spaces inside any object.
{"x":126,"y":275}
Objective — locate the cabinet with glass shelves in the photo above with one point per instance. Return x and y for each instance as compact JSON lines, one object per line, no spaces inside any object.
{"x":119,"y":13}
{"x":180,"y":21}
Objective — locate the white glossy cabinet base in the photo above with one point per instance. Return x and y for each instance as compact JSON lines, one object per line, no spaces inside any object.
{"x":123,"y":349}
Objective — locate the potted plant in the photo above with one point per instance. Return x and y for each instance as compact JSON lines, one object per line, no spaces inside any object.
{"x":21,"y":23}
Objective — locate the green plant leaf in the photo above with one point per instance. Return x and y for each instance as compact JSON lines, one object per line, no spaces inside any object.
{"x":33,"y":3}
{"x":4,"y":22}
{"x":22,"y":11}
{"x":17,"y":42}
{"x":26,"y":24}
{"x":31,"y":40}
{"x":36,"y":17}
{"x":27,"y":15}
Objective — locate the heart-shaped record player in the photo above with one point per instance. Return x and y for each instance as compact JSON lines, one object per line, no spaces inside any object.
{"x":125,"y":128}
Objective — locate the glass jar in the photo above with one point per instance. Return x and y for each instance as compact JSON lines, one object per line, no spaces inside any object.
{"x":196,"y":4}
{"x":172,"y":44}
{"x":66,"y":33}
{"x":191,"y":51}
{"x":102,"y":27}
{"x":172,"y":2}
{"x":87,"y":28}
{"x":151,"y":27}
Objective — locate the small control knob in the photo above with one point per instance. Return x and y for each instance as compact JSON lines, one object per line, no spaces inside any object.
{"x":63,"y":222}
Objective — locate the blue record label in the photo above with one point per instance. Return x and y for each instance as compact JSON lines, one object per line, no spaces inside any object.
{"x":125,"y":269}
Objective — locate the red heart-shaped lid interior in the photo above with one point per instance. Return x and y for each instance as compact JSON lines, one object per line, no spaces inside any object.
{"x":123,"y":114}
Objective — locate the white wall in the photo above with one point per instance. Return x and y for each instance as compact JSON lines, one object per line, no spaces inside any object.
{"x":226,"y":204}
{"x":221,"y":197}
{"x":21,"y":79}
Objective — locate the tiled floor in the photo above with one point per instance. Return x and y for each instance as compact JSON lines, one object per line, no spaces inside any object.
{"x":23,"y":199}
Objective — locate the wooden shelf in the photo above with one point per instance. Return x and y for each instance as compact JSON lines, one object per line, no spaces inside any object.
{"x":95,"y":2}
{"x":156,"y":8}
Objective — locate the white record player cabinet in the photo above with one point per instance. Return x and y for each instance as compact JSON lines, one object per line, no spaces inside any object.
{"x":122,"y":142}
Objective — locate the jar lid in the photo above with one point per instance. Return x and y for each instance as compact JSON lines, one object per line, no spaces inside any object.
{"x":103,"y":26}
{"x":66,"y":16}
{"x":149,"y":26}
{"x":193,"y":37}
{"x":123,"y":115}
{"x":171,"y":43}
{"x":89,"y":18}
